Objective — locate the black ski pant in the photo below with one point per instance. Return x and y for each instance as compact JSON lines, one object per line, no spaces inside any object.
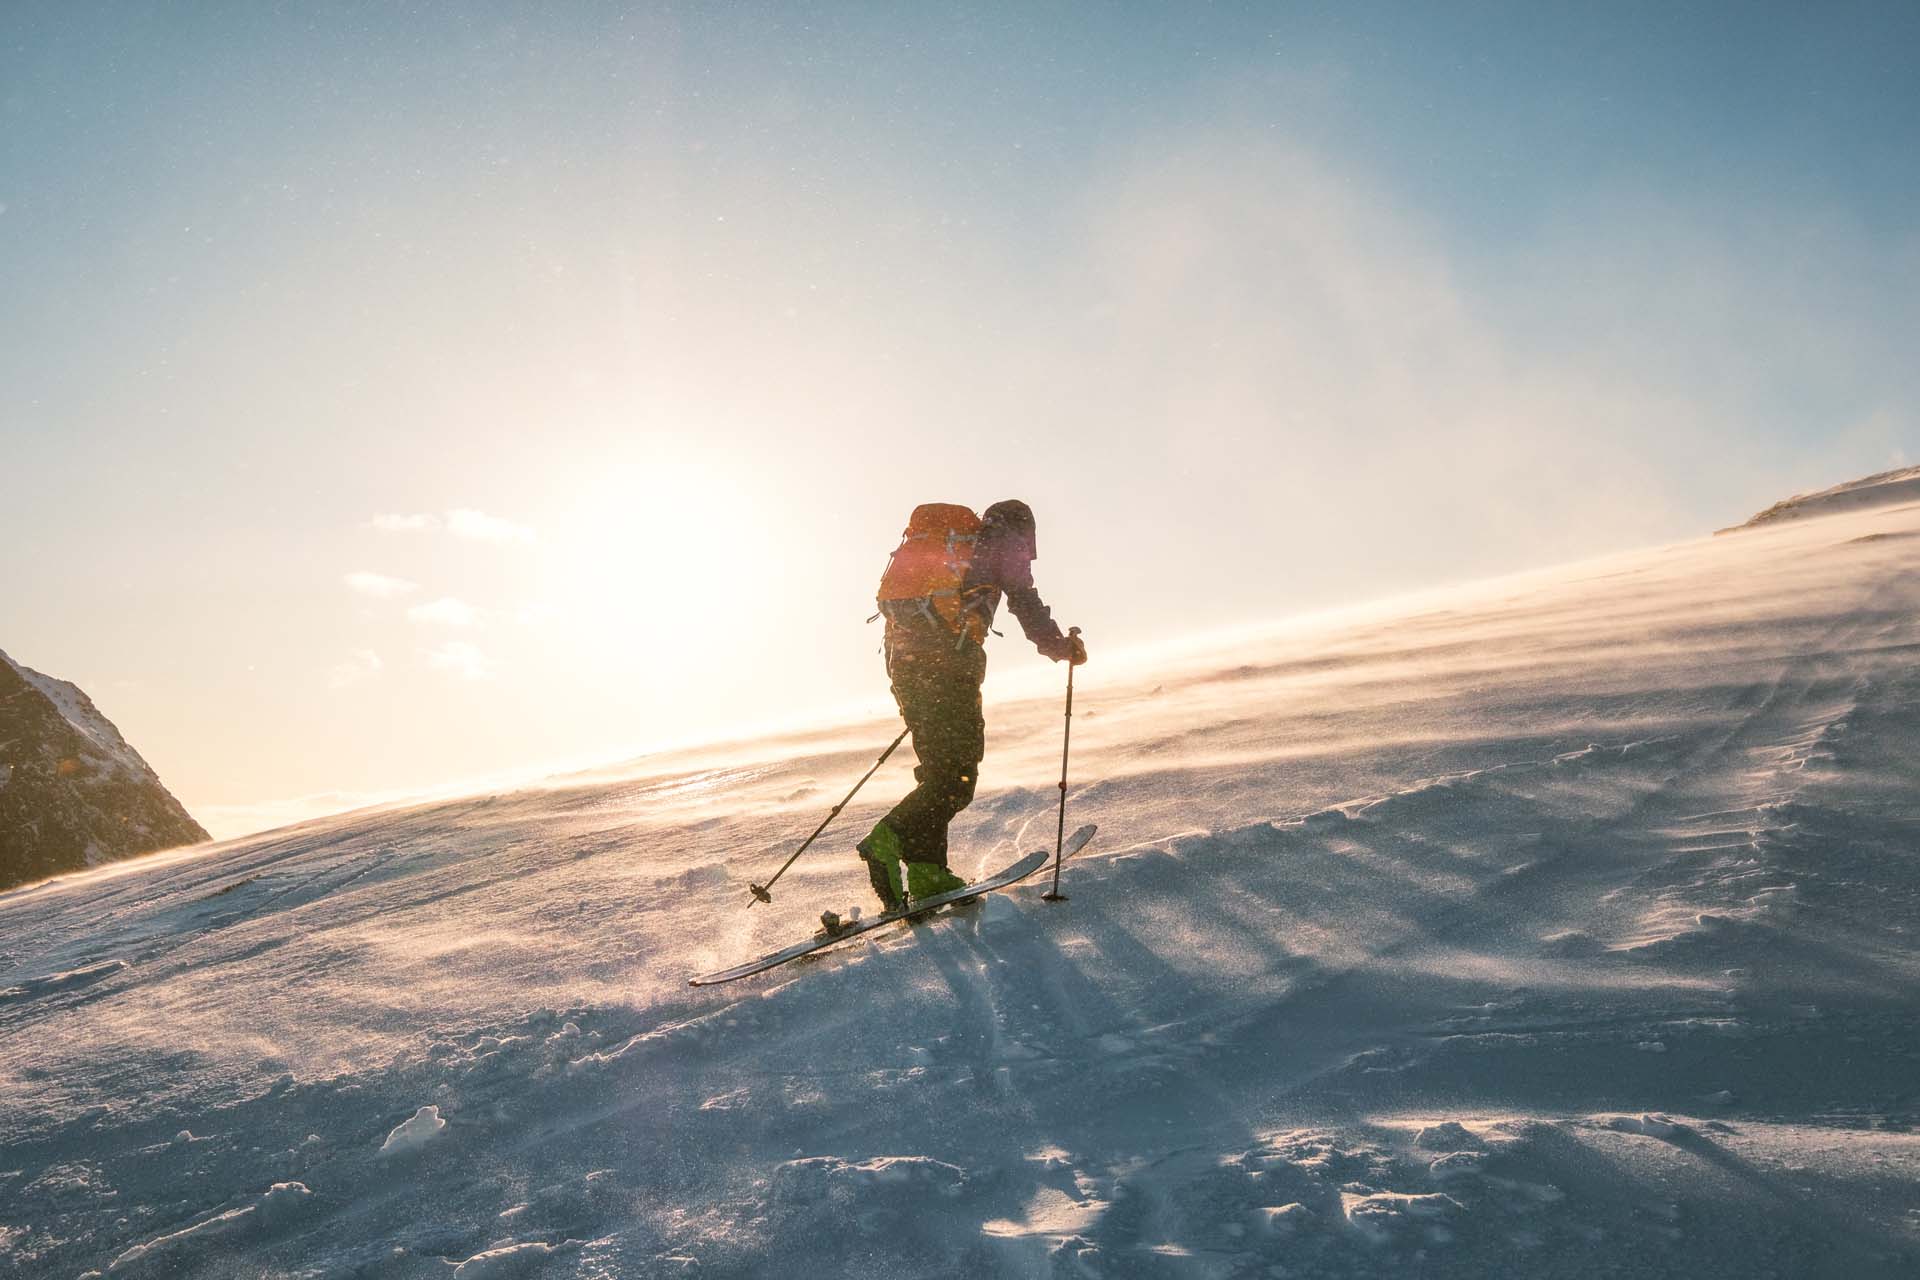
{"x":936,"y":685}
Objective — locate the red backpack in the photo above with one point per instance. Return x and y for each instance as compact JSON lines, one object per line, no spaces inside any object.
{"x":928,"y":569}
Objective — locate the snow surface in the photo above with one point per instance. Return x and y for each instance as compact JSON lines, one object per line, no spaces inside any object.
{"x":1885,"y":489}
{"x":423,"y":1127}
{"x":1562,"y":925}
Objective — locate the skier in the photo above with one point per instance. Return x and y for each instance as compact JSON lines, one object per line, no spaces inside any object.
{"x":939,"y":594}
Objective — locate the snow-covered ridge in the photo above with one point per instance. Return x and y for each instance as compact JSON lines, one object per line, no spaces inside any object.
{"x":1560,"y":925}
{"x":77,"y":709}
{"x":1884,"y":489}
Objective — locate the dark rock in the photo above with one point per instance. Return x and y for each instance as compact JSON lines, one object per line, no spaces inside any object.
{"x":73,"y":793}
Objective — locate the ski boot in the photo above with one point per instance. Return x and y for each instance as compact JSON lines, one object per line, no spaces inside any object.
{"x":926,"y":879}
{"x":881,"y":852}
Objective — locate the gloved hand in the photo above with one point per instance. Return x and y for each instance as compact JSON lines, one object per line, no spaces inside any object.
{"x":1071,"y":648}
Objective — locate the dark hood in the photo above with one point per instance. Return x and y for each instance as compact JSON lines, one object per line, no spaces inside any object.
{"x":1011,"y":521}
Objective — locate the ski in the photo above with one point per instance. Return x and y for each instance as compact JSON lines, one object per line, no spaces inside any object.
{"x":1012,"y":875}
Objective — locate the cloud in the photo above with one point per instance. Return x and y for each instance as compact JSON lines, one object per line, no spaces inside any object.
{"x":468,"y":523}
{"x":461,"y":522}
{"x":460,"y":659}
{"x":363,"y":664}
{"x":445,"y":612}
{"x":379,"y":585}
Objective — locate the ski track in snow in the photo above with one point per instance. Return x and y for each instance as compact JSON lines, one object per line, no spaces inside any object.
{"x":1558,"y":925}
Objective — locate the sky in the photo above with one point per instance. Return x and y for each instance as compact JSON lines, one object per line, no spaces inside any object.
{"x":397,"y":395}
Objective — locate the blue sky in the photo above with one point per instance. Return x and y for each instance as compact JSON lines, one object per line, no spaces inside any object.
{"x":1264,"y":308}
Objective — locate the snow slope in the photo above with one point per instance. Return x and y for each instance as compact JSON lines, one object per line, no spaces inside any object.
{"x":1884,"y":489}
{"x":1562,"y":925}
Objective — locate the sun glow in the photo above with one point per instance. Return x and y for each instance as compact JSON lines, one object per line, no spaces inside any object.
{"x":656,"y":559}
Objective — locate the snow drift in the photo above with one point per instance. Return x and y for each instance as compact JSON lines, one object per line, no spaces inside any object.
{"x":1558,"y":925}
{"x":1885,"y":489}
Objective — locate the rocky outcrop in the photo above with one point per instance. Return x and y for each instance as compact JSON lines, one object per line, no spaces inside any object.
{"x":73,"y":793}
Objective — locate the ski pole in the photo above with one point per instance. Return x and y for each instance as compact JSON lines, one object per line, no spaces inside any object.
{"x":1066,"y":742}
{"x":762,"y":892}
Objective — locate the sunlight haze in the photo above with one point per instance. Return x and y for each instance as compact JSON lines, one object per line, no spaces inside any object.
{"x":390,"y":398}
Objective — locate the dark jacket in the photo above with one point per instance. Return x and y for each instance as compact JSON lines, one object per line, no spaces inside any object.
{"x":1002,"y":565}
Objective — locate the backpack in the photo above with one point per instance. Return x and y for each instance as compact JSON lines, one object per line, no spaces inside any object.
{"x":928,"y":570}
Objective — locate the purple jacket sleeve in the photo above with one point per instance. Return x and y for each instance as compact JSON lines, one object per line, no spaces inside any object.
{"x":1010,"y":569}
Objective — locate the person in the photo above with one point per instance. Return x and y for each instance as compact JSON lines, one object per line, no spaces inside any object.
{"x":939,"y":595}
